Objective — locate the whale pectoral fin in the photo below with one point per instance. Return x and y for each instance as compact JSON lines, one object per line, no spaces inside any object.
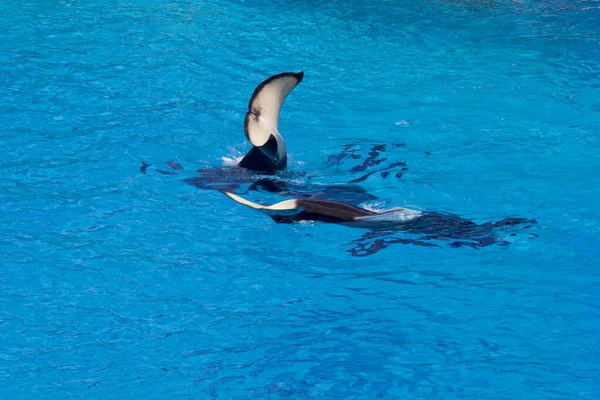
{"x":287,"y":208}
{"x":243,"y":201}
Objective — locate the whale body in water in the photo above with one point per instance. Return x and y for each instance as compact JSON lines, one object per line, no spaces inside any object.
{"x":263,"y":169}
{"x":429,"y":226}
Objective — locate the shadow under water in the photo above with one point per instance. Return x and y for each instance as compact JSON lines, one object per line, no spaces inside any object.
{"x":240,"y":180}
{"x":430,"y":228}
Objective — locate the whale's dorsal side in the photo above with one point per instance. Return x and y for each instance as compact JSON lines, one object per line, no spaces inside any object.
{"x":262,"y":120}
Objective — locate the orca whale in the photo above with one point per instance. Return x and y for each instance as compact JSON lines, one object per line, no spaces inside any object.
{"x":429,"y":225}
{"x":297,"y":210}
{"x":263,"y":167}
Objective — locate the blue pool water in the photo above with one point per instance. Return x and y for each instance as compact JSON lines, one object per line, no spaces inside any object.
{"x":117,"y":284}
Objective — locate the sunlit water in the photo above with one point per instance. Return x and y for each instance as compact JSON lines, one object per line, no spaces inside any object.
{"x":119,"y":284}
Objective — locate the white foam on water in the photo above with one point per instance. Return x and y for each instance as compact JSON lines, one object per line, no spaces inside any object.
{"x":393,"y":215}
{"x":375,"y":206}
{"x":231,"y":161}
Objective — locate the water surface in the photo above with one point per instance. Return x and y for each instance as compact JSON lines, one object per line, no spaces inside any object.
{"x":118,"y":284}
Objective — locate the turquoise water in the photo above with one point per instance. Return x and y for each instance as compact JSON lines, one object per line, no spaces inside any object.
{"x":119,"y":284}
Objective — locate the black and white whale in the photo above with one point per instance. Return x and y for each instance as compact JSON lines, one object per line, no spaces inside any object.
{"x":263,"y":168}
{"x":429,"y":226}
{"x":297,"y":210}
